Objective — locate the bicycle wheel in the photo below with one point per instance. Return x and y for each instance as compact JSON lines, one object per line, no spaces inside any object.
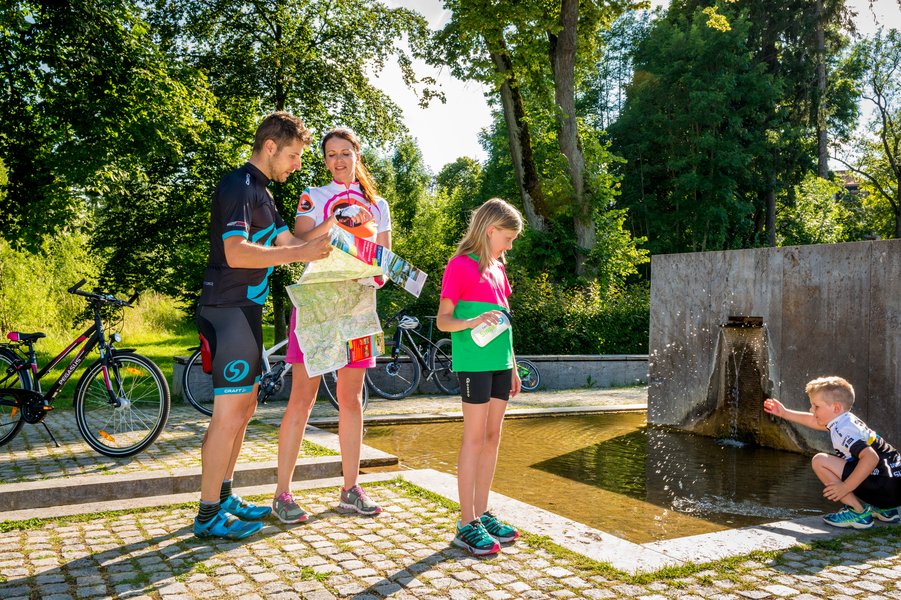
{"x":197,"y":386}
{"x":528,"y":372}
{"x":330,"y":383}
{"x":135,"y":420}
{"x":394,"y":378}
{"x":11,"y":413}
{"x":440,"y":366}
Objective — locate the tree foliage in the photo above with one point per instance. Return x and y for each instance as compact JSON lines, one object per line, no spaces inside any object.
{"x":874,"y":154}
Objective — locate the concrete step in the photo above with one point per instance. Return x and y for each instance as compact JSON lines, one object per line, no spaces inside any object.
{"x":110,"y":488}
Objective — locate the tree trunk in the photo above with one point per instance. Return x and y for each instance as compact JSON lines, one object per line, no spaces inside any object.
{"x":822,"y":140}
{"x":771,"y":216}
{"x":563,"y":61}
{"x":520,"y":142}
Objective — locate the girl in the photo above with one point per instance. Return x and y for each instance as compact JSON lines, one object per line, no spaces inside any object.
{"x":351,"y":202}
{"x":474,"y":291}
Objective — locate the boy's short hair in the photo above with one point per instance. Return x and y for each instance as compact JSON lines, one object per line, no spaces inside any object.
{"x":836,"y":389}
{"x":283,"y":128}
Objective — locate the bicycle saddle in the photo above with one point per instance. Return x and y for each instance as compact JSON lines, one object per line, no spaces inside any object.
{"x":408,"y":322}
{"x":18,"y":336}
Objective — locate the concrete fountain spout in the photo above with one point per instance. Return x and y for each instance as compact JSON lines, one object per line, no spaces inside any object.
{"x":741,"y":378}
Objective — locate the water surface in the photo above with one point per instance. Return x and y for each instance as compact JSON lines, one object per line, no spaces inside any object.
{"x":614,"y":473}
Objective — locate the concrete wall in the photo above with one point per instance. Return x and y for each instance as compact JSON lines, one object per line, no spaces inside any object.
{"x":827,"y":309}
{"x":557,"y":373}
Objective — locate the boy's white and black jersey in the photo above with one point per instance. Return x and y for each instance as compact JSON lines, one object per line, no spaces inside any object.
{"x":850,"y":436}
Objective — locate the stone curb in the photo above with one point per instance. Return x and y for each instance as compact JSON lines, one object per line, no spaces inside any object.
{"x":116,"y":487}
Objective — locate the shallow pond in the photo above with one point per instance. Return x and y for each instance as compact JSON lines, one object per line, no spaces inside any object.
{"x":616,"y":474}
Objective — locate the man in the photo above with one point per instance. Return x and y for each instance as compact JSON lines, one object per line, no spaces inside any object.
{"x":248,"y":239}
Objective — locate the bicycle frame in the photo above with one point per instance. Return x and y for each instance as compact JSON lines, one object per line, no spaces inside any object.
{"x":413,"y":345}
{"x":92,"y":337}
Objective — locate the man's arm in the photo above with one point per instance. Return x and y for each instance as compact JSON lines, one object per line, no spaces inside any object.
{"x":241,"y":253}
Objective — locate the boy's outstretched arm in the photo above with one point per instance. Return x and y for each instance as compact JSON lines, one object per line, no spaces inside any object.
{"x":776,"y":408}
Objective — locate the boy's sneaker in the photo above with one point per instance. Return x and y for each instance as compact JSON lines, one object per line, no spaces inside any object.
{"x":886,"y":515}
{"x":286,"y":509}
{"x":497,"y":528}
{"x":225,"y":525}
{"x":848,"y":517}
{"x":475,"y":538}
{"x":244,"y":510}
{"x":356,"y":499}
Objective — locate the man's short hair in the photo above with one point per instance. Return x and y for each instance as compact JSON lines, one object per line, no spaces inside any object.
{"x":282,"y":128}
{"x":836,"y":389}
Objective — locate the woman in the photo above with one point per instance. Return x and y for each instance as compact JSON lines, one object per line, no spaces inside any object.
{"x":361,"y":211}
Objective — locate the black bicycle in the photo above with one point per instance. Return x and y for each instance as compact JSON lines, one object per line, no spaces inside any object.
{"x":396,"y":374}
{"x":197,"y":385}
{"x":121,"y":401}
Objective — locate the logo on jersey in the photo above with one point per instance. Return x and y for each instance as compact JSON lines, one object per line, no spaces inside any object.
{"x":305,"y":205}
{"x":240,"y":224}
{"x":247,"y":179}
{"x":236,"y":370}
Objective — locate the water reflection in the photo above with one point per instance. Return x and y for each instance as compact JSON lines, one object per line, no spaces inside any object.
{"x":719,"y":481}
{"x":614,"y":473}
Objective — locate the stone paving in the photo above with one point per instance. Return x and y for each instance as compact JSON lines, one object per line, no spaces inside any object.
{"x":402,"y":553}
{"x":31,"y":456}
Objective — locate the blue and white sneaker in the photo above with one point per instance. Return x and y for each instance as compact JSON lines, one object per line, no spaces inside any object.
{"x":886,"y":515}
{"x":848,"y":517}
{"x":498,"y":529}
{"x":244,"y":510}
{"x":475,"y":538}
{"x":227,"y":526}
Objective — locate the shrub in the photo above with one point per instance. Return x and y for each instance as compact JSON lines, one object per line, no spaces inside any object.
{"x":33,"y":295}
{"x":550,"y":319}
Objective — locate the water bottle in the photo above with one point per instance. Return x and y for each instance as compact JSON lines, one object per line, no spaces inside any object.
{"x":485,"y":332}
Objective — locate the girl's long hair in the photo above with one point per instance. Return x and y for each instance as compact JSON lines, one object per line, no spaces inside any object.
{"x":362,"y":174}
{"x":493,"y":213}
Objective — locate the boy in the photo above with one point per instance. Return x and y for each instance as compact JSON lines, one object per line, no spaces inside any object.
{"x":866,"y":473}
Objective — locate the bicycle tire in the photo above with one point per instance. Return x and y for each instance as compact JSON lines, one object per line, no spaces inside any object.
{"x":197,"y":386}
{"x":12,"y":417}
{"x":441,"y":366}
{"x":529,"y":375}
{"x":120,"y":431}
{"x":330,"y":383}
{"x":392,"y":378}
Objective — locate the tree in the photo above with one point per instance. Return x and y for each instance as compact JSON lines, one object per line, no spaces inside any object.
{"x":875,"y":154}
{"x":690,"y":130}
{"x":535,"y":56}
{"x":88,"y":103}
{"x":309,"y":57}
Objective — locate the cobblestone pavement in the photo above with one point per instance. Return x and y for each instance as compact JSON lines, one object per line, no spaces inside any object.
{"x":31,"y":456}
{"x":403,"y":553}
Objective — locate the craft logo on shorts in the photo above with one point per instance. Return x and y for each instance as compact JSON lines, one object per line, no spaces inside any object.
{"x":305,"y":205}
{"x":236,"y":370}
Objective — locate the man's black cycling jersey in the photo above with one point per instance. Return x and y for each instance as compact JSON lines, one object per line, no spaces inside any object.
{"x":242,"y":206}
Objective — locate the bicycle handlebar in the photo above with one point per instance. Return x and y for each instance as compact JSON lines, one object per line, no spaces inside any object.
{"x":106,"y":298}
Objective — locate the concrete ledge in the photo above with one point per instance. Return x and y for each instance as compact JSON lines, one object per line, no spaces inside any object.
{"x":516,"y":413}
{"x":100,"y":488}
{"x":640,"y":558}
{"x":170,"y":499}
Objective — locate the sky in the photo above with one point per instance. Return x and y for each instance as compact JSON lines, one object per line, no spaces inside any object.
{"x":448,"y":131}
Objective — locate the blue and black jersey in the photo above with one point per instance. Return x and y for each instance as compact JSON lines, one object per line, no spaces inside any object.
{"x":242,"y":206}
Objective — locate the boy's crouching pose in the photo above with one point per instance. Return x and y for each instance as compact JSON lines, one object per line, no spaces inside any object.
{"x":866,"y":474}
